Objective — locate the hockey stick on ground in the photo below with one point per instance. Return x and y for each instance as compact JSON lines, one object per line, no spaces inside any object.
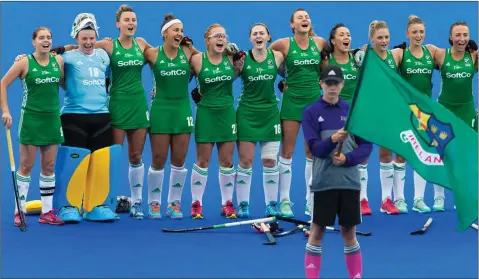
{"x":271,"y":240}
{"x":424,"y":228}
{"x":304,"y":223}
{"x":23,"y":224}
{"x":226,"y":225}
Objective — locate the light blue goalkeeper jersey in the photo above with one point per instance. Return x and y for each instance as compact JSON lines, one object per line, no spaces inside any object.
{"x":85,"y":82}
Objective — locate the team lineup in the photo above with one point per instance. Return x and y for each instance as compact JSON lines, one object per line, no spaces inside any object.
{"x":80,"y":143}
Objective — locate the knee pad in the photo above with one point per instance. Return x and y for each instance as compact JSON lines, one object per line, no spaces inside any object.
{"x":71,"y":170}
{"x":270,"y":150}
{"x":102,"y":178}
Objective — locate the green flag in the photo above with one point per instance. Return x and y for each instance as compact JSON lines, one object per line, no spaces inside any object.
{"x":388,"y":111}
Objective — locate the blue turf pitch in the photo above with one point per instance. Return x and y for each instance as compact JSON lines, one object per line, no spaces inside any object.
{"x":138,"y":249}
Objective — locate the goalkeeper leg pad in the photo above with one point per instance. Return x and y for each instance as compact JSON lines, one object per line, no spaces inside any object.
{"x":71,"y":170}
{"x":102,"y":184}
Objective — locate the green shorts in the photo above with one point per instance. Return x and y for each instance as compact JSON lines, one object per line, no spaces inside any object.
{"x":258,"y":125}
{"x":465,"y":111}
{"x":292,"y":107}
{"x":215,"y":125}
{"x":40,"y":128}
{"x":167,"y":117}
{"x":129,"y":112}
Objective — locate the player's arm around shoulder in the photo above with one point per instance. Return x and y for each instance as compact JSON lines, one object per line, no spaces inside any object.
{"x":281,"y":45}
{"x":196,"y":63}
{"x":151,"y":55}
{"x":322,"y":44}
{"x":438,"y":55}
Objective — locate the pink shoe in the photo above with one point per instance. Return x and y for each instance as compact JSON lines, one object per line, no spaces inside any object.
{"x":50,"y":218}
{"x":17,"y":220}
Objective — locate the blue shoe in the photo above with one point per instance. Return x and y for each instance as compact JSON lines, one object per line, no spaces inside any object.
{"x":101,"y":213}
{"x":154,"y":210}
{"x":69,"y":214}
{"x":174,"y":210}
{"x":243,"y":209}
{"x":272,"y":209}
{"x":136,"y":212}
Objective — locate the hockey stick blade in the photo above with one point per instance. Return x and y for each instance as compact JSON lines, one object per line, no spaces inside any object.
{"x":271,"y":240}
{"x":424,"y":228}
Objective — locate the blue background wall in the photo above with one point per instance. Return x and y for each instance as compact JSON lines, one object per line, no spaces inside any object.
{"x":18,"y":20}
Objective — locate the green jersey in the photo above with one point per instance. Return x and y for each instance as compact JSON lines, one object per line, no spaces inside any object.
{"x":390,"y":61}
{"x":456,"y":79}
{"x":258,"y":82}
{"x":418,"y":71}
{"x":40,"y":86}
{"x":350,"y":74}
{"x":302,"y":70}
{"x":126,"y":66}
{"x":171,"y":77}
{"x":215,"y":83}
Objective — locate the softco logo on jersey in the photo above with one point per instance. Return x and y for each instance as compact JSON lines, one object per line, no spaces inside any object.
{"x":172,"y":73}
{"x":216,"y":79}
{"x":99,"y":82}
{"x":458,"y":75}
{"x":306,"y":62}
{"x":418,"y":71}
{"x":47,"y":80}
{"x":261,"y":77}
{"x":350,"y":77}
{"x":130,"y":63}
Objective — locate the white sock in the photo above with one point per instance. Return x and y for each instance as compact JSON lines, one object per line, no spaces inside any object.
{"x":227,"y":184}
{"x":155,"y":184}
{"x":399,"y":179}
{"x":47,"y":188}
{"x":136,"y":176}
{"x":386,"y":174}
{"x":270,"y":184}
{"x":438,"y":191}
{"x":177,"y":182}
{"x":363,"y":176}
{"x":308,"y":170}
{"x":284,"y":178}
{"x":243,"y":184}
{"x":23,"y":183}
{"x":419,"y":186}
{"x":199,"y":177}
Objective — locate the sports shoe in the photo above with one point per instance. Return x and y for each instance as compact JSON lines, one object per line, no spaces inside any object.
{"x":401,"y":205}
{"x":50,"y":218}
{"x":439,"y":204}
{"x":420,"y":206}
{"x":154,"y":210}
{"x":228,"y":210}
{"x":174,"y":210}
{"x":243,"y":209}
{"x":100,"y":213}
{"x":136,"y":212}
{"x":285,"y":208}
{"x":272,"y":209}
{"x":388,"y":207}
{"x":69,"y":214}
{"x":365,"y":209}
{"x":17,"y":221}
{"x":196,"y":210}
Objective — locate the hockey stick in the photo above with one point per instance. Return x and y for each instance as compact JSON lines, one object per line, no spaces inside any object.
{"x":424,"y":228}
{"x":23,"y":224}
{"x":271,"y":240}
{"x":220,"y":226}
{"x":304,"y":223}
{"x":474,"y":226}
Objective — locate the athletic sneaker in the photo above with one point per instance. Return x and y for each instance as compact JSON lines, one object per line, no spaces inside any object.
{"x":285,"y":208}
{"x":272,"y":209}
{"x":243,"y":209}
{"x":420,"y":206}
{"x":439,"y":204}
{"x":365,"y":209}
{"x":196,"y":210}
{"x":228,"y":210}
{"x":17,"y":221}
{"x":50,"y":218}
{"x":69,"y":214}
{"x":174,"y":210}
{"x":136,"y":212}
{"x":388,"y":207}
{"x":307,"y":209}
{"x":401,"y":205}
{"x":154,"y":210}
